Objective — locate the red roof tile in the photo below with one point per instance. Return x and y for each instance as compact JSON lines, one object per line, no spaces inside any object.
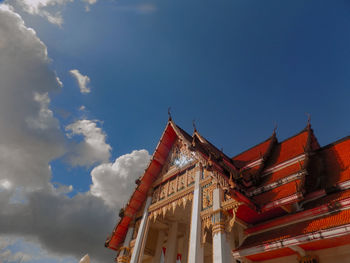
{"x":247,"y":173}
{"x":252,"y":154}
{"x":328,"y":199}
{"x":337,"y":161}
{"x":309,"y":226}
{"x":289,"y":149}
{"x":272,"y":254}
{"x":277,"y":193}
{"x":289,"y":170}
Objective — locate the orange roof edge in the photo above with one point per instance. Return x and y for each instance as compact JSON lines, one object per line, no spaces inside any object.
{"x":118,"y":233}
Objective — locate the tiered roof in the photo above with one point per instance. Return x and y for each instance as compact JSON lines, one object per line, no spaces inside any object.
{"x":285,"y":188}
{"x":320,"y":216}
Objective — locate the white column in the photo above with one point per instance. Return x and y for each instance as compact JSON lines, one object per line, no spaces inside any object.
{"x":221,"y":248}
{"x":124,"y":253}
{"x":141,"y":234}
{"x":129,"y":235}
{"x":195,"y":252}
{"x":159,"y":246}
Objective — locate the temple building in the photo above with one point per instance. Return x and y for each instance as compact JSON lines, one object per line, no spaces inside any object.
{"x":285,"y":201}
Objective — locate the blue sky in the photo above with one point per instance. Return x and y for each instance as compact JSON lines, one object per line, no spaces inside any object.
{"x":237,"y":67}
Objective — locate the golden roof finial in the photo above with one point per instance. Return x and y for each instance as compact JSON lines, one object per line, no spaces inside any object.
{"x":194,"y":125}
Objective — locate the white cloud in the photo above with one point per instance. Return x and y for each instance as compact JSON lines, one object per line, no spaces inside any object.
{"x":114,"y":182}
{"x":31,"y":207}
{"x":82,"y":108}
{"x":88,"y":3}
{"x":93,"y":148}
{"x":43,"y":8}
{"x":30,"y":138}
{"x":29,"y":133}
{"x":83,"y":81}
{"x":48,"y":9}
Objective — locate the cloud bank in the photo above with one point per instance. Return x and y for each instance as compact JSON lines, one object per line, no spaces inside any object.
{"x":31,"y":206}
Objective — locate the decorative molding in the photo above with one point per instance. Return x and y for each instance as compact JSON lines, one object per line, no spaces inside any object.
{"x":294,"y":241}
{"x":284,"y":164}
{"x":124,"y":256}
{"x":206,"y":223}
{"x":276,"y":184}
{"x":228,"y":205}
{"x":178,"y":157}
{"x":282,"y":201}
{"x":218,"y":227}
{"x":174,"y":186}
{"x":252,"y":164}
{"x":171,"y":199}
{"x":207,"y":195}
{"x":170,"y":205}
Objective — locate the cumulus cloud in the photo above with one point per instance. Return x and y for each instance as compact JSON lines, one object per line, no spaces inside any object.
{"x":93,"y":148}
{"x":30,"y":139}
{"x":48,"y":9}
{"x":31,"y":206}
{"x":83,"y":81}
{"x":27,"y":125}
{"x":62,"y":225}
{"x":114,"y":182}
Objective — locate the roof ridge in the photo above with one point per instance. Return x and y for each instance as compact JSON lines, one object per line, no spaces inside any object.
{"x":343,"y":139}
{"x":211,"y":145}
{"x":271,"y":137}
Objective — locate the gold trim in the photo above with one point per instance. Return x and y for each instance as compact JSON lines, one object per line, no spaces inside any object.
{"x":180,"y":200}
{"x":123,"y":259}
{"x":124,"y":256}
{"x":218,"y":227}
{"x":170,"y":199}
{"x":173,"y":172}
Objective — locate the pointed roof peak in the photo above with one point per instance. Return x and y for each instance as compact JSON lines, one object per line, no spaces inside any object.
{"x":308,"y":125}
{"x":194,"y":126}
{"x":169,"y":114}
{"x":274,"y":130}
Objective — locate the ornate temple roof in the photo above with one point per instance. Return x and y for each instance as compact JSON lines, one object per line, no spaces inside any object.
{"x":290,"y":181}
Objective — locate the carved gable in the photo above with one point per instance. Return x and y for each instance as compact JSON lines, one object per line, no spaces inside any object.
{"x":179,"y":156}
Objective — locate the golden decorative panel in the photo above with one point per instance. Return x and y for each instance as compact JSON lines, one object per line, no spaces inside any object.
{"x":207,"y":195}
{"x":156,"y":195}
{"x":171,"y":206}
{"x":181,"y":183}
{"x":190,"y":177}
{"x":179,"y":156}
{"x":164,"y":190}
{"x":172,"y":186}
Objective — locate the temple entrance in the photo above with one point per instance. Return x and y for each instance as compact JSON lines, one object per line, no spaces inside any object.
{"x":168,"y":237}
